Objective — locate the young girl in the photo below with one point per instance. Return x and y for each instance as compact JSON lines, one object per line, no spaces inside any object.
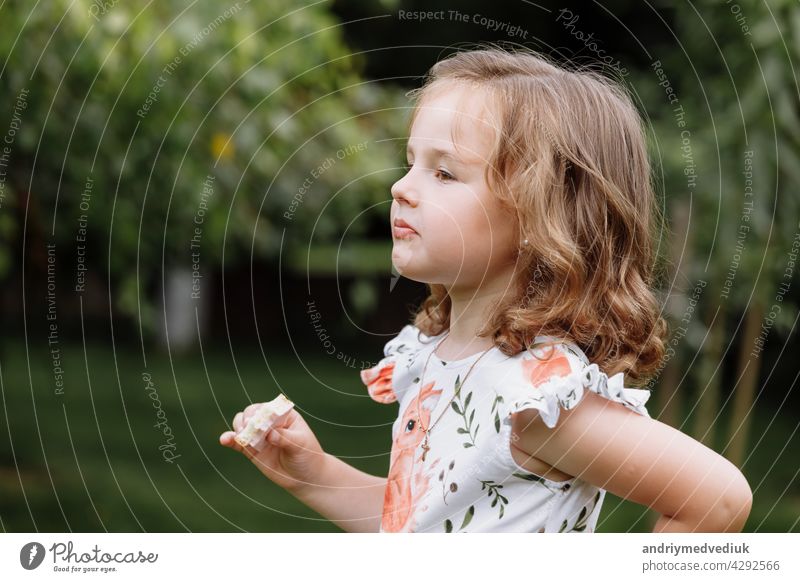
{"x":527,"y":208}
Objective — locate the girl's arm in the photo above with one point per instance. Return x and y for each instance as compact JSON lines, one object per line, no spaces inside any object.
{"x":643,"y":460}
{"x":292,"y":458}
{"x":348,"y":497}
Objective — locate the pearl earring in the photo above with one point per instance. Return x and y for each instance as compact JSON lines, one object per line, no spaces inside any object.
{"x":524,"y":244}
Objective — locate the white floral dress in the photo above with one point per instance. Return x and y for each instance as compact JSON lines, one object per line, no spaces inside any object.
{"x":469,"y":481}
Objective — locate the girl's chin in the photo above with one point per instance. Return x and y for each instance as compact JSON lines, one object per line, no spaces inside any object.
{"x":403,"y":259}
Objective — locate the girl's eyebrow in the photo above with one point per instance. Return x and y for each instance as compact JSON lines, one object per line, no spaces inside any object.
{"x":439,"y":153}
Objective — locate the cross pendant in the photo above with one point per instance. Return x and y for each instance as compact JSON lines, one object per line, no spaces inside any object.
{"x":425,"y":447}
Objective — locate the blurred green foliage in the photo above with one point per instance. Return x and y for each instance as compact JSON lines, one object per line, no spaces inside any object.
{"x":734,"y":80}
{"x":148,"y":100}
{"x":144,"y":102}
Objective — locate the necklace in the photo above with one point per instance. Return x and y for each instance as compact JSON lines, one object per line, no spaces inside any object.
{"x":427,"y":430}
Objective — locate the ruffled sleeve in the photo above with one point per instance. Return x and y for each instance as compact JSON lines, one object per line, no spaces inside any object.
{"x":559,"y":378}
{"x":390,"y":378}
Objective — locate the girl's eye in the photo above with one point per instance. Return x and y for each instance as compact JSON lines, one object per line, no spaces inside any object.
{"x":441,"y":174}
{"x":444,"y":175}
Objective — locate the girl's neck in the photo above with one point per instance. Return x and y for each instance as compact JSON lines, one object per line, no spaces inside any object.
{"x":449,"y":350}
{"x":470,"y":309}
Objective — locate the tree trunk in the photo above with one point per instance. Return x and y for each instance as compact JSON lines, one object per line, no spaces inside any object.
{"x":744,"y":390}
{"x":708,"y":380}
{"x":668,"y":394}
{"x":182,"y":319}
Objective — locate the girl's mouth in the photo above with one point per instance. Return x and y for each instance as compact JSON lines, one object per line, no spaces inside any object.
{"x":403,"y":232}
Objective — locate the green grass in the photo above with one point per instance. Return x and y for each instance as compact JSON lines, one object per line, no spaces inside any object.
{"x":127,"y":485}
{"x":89,"y":460}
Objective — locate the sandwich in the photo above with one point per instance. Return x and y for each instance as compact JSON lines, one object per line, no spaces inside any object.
{"x":269,"y":414}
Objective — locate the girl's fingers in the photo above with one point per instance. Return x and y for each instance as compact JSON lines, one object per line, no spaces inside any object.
{"x":227,"y":439}
{"x":241,"y":418}
{"x":274,"y":437}
{"x":290,"y":419}
{"x":288,"y":435}
{"x":286,"y":438}
{"x":238,"y":421}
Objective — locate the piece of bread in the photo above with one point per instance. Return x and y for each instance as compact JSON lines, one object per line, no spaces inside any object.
{"x":268,"y":414}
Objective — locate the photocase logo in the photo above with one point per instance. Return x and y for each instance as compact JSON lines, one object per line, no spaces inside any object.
{"x":31,"y":555}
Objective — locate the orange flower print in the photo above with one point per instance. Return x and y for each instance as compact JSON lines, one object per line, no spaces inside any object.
{"x":379,"y":383}
{"x":538,"y":371}
{"x":405,"y":486}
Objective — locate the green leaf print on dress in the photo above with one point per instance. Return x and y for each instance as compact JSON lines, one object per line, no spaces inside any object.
{"x":448,"y":525}
{"x":453,"y":487}
{"x":580,"y":524}
{"x":494,"y":489}
{"x":496,"y":409}
{"x":462,"y":409}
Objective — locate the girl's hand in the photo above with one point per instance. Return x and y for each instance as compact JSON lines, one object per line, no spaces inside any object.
{"x":292,"y":455}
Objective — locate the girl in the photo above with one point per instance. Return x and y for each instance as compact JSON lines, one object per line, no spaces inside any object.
{"x":527,"y":208}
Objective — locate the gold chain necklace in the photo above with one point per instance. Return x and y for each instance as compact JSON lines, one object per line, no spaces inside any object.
{"x":425,"y":447}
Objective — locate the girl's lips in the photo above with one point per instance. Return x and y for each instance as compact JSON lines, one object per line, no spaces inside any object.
{"x":403,"y":232}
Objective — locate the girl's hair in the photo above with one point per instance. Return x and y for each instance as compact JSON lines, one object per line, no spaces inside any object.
{"x":569,"y":158}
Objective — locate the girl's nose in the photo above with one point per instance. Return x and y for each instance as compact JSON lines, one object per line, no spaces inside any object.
{"x":404,"y":191}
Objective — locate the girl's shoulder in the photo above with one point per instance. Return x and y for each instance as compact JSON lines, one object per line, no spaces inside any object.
{"x":387,"y":380}
{"x":554,"y":373}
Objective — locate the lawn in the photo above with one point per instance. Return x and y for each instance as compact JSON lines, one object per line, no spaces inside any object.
{"x":91,"y":459}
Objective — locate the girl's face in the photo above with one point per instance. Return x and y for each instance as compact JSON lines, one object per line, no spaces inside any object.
{"x":459,"y":234}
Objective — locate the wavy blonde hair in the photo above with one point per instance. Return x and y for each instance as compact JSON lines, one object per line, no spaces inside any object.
{"x":570,"y":158}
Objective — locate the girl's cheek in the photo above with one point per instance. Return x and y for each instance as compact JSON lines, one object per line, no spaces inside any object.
{"x":453,"y":248}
